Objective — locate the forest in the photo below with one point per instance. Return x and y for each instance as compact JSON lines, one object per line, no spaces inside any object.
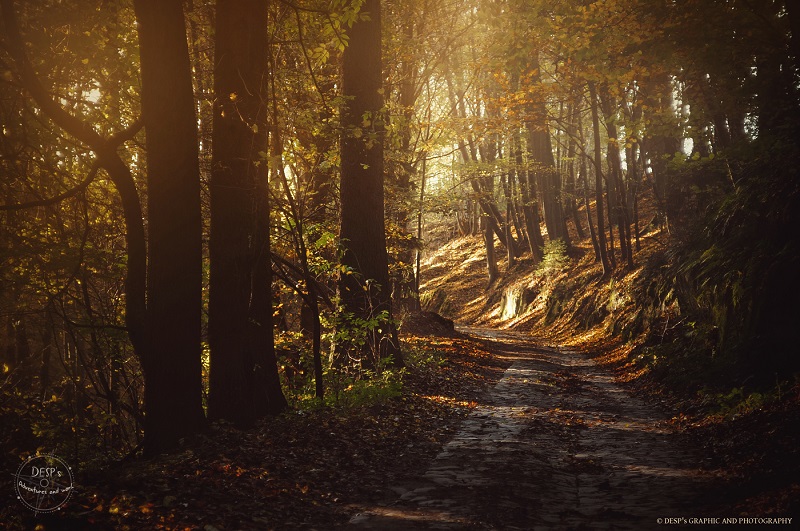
{"x":399,"y":264}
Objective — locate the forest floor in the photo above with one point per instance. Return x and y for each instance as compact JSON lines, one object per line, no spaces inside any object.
{"x":306,"y":469}
{"x":492,"y":430}
{"x":518,"y":421}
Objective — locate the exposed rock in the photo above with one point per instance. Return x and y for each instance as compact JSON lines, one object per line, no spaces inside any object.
{"x":424,"y":323}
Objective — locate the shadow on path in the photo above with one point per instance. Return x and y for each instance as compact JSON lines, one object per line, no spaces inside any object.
{"x":557,"y":444}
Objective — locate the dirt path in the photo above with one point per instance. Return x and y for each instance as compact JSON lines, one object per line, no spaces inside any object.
{"x":555,"y":444}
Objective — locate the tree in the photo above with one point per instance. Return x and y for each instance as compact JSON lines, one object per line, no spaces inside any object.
{"x":243,"y":382}
{"x":598,"y":179}
{"x":171,"y":365}
{"x":364,"y":288}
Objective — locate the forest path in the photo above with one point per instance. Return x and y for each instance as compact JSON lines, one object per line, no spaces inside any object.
{"x":556,"y":444}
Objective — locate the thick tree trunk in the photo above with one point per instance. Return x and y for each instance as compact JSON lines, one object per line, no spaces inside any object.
{"x":240,"y":299}
{"x":172,"y":361}
{"x":541,"y":154}
{"x":365,"y":293}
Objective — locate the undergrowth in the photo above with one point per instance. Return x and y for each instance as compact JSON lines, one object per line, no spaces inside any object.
{"x":349,"y":389}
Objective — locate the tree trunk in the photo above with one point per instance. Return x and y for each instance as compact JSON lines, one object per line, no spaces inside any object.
{"x":172,"y":362}
{"x":420,"y":213}
{"x":267,"y":395}
{"x":540,"y":153}
{"x":659,"y":148}
{"x":529,"y":208}
{"x":240,"y":326}
{"x":598,"y":181}
{"x":592,"y":233}
{"x":571,"y":184}
{"x":365,"y":293}
{"x":505,"y":182}
{"x":491,"y":258}
{"x":617,"y":200}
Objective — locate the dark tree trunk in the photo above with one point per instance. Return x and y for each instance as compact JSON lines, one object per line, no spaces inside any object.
{"x":172,"y":361}
{"x":366,"y":293}
{"x":584,"y":178}
{"x":571,"y":184}
{"x":659,"y":148}
{"x":598,"y":181}
{"x":530,"y":210}
{"x":618,"y":211}
{"x":240,"y":323}
{"x":491,"y":258}
{"x":540,"y":152}
{"x":505,"y":182}
{"x":592,"y":233}
{"x":515,"y":215}
{"x":404,"y":171}
{"x":267,"y":395}
{"x":635,"y":179}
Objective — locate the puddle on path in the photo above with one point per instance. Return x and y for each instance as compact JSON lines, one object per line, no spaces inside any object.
{"x":556,"y":444}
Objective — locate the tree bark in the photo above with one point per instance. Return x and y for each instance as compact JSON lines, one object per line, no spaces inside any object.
{"x":365,"y":293}
{"x":240,"y":323}
{"x":571,"y":184}
{"x":491,"y":258}
{"x":530,"y":210}
{"x":172,"y":363}
{"x":618,"y":211}
{"x":598,"y":181}
{"x":540,"y":152}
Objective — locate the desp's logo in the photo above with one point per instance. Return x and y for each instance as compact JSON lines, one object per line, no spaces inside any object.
{"x":43,"y":483}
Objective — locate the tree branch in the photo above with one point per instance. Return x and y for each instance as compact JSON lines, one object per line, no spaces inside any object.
{"x":60,"y":197}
